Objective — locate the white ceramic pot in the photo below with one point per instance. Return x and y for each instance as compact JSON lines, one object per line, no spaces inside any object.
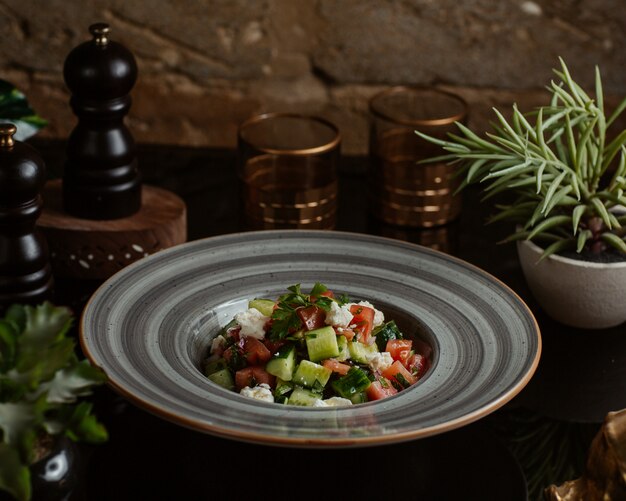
{"x":574,"y":292}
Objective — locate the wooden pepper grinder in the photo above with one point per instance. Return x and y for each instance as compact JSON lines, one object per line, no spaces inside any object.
{"x":99,"y":218}
{"x":100,"y":180}
{"x":25,"y":273}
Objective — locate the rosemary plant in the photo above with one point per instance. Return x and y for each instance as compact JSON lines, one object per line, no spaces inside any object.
{"x":564,"y":178}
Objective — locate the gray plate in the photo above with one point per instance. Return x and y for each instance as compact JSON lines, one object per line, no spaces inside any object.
{"x":149,"y":326}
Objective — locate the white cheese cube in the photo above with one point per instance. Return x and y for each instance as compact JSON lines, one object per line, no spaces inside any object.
{"x":252,"y":323}
{"x":379,"y":361}
{"x":260,"y":392}
{"x":217,"y":343}
{"x":332,"y":402}
{"x":338,"y":316}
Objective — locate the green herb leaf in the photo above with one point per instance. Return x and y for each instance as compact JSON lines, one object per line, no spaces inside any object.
{"x":551,"y":190}
{"x":554,"y":167}
{"x":318,"y":289}
{"x":8,"y":345}
{"x":577,"y":213}
{"x":40,"y":379}
{"x":15,"y":108}
{"x":72,"y":382}
{"x":295,"y":289}
{"x":601,"y":211}
{"x":557,"y":247}
{"x":599,"y":93}
{"x":343,"y":299}
{"x":614,"y":241}
{"x":547,"y":224}
{"x":14,"y":474}
{"x":618,"y":111}
{"x":284,"y":321}
{"x":583,"y":236}
{"x":558,"y":197}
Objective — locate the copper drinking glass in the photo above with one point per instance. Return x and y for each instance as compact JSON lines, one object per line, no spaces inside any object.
{"x":288,"y":171}
{"x":402,"y":191}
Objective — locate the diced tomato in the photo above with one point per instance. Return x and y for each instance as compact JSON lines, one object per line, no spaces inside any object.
{"x":417,"y":365}
{"x":229,"y":353}
{"x":400,"y":349}
{"x":313,"y":317}
{"x":233,"y":334}
{"x":255,"y":351}
{"x":398,"y":373}
{"x":380,"y":389}
{"x":234,"y":357}
{"x":363,"y":320}
{"x":253,"y":376}
{"x":347,"y":333}
{"x":273,"y":346}
{"x":336,"y":366}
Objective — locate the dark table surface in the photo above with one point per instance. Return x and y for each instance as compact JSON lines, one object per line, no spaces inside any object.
{"x":581,"y":377}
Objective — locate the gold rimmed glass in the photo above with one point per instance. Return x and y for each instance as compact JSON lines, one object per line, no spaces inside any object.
{"x":403,"y":192}
{"x":288,"y":171}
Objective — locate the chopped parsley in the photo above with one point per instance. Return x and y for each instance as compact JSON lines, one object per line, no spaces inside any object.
{"x":285,"y":320}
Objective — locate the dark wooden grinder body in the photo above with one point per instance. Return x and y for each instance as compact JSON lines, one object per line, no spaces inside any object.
{"x":101,"y":180}
{"x":25,"y":273}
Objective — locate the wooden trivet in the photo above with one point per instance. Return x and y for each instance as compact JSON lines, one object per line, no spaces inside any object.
{"x":92,"y":249}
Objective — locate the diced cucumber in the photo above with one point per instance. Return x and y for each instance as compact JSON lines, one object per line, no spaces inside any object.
{"x":386,"y":332}
{"x":298,"y":335}
{"x":283,"y":363}
{"x":359,"y":398}
{"x":360,"y":352}
{"x":344,"y":352}
{"x":224,"y":378}
{"x":311,"y":375}
{"x":303,"y":397}
{"x":321,"y":343}
{"x":356,"y":381}
{"x":265,"y":306}
{"x":214,"y":366}
{"x":282,"y":387}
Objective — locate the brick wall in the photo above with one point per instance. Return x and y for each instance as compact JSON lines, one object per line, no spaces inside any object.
{"x":205,"y":65}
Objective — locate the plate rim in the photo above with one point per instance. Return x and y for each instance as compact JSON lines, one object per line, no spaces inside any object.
{"x":324,"y":442}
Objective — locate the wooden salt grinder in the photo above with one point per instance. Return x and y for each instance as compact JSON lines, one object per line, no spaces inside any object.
{"x":100,"y":218}
{"x":25,"y":273}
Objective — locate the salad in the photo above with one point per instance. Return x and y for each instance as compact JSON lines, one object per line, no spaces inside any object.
{"x":316,"y":350}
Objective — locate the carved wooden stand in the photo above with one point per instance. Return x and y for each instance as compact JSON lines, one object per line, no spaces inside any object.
{"x":90,"y":249}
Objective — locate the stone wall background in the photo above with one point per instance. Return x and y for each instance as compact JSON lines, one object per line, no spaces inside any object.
{"x":206,"y":65}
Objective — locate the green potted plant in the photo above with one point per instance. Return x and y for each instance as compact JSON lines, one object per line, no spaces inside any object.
{"x":14,"y":108}
{"x":564,"y":182}
{"x":41,"y":381}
